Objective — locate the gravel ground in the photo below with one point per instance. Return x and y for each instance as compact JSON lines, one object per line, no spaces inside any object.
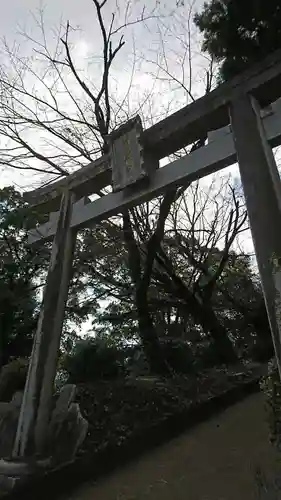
{"x":214,"y":461}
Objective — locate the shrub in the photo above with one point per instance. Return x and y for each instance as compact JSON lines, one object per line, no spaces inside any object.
{"x":261,"y":351}
{"x":136,"y":363}
{"x":206,"y":356}
{"x":92,"y":359}
{"x":12,"y":378}
{"x":178,"y":355}
{"x":267,"y":488}
{"x":271,"y":387}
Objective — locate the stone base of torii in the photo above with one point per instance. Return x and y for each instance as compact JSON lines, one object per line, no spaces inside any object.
{"x":133,"y":166}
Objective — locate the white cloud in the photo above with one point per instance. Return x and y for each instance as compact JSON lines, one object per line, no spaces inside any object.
{"x":143,"y":50}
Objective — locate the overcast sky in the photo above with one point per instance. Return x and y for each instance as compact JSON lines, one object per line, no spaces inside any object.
{"x":142,"y":48}
{"x":20,"y":12}
{"x":19,"y":15}
{"x":79,"y":12}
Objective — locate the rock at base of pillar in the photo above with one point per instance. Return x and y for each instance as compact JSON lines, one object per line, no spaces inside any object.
{"x":7,"y":484}
{"x":17,"y":473}
{"x":9,"y":416}
{"x":66,"y":433}
{"x":67,"y":429}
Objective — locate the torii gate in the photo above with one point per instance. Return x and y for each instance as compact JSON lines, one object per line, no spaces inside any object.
{"x":132,"y":168}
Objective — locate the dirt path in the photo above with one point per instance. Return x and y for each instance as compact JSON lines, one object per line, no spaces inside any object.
{"x":214,"y":461}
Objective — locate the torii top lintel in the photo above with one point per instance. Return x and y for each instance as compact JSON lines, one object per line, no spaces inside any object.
{"x":194,"y":121}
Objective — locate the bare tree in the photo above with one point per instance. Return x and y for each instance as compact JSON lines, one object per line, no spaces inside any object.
{"x":168,"y":280}
{"x":177,"y":255}
{"x":73,"y":129}
{"x":188,"y":262}
{"x":54,"y":118}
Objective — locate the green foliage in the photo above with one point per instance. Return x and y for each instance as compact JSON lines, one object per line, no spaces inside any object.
{"x":271,"y":387}
{"x":20,"y":268}
{"x":118,"y":321}
{"x":267,"y":488}
{"x":101,"y":274}
{"x":238,"y":301}
{"x":12,"y":378}
{"x":206,"y":356}
{"x":261,"y":350}
{"x":178,"y":355}
{"x":23,"y":270}
{"x":92,"y":359}
{"x":239,"y":35}
{"x":136,"y":363}
{"x":182,"y":357}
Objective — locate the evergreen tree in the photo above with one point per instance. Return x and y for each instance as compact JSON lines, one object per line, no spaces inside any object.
{"x":238,"y":34}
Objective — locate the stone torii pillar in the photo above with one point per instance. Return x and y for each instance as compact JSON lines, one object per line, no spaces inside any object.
{"x":128,"y":168}
{"x":262,"y":189}
{"x":38,"y":393}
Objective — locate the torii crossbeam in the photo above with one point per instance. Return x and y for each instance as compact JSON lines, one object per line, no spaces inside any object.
{"x":246,"y":132}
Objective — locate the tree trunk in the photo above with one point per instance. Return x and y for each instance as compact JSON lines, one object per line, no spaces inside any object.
{"x":201,"y":312}
{"x":204,"y":315}
{"x":258,"y":319}
{"x":150,"y":341}
{"x":223,"y":344}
